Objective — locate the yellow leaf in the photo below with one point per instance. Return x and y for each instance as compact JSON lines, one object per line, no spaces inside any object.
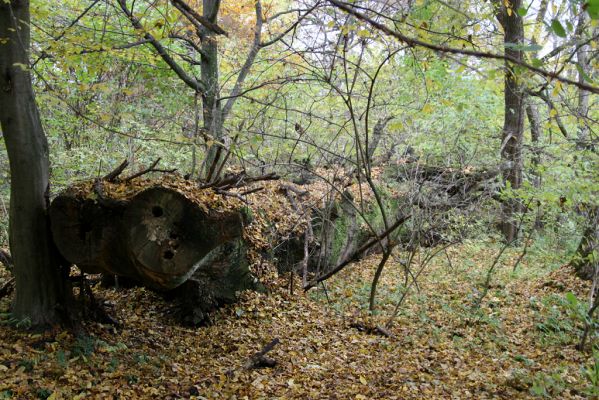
{"x":427,"y":109}
{"x":556,"y":89}
{"x":363,"y":380}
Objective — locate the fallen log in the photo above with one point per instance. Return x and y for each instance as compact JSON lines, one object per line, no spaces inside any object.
{"x":158,"y":236}
{"x":198,"y":245}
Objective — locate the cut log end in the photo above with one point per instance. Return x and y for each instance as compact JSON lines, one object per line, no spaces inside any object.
{"x":158,"y":237}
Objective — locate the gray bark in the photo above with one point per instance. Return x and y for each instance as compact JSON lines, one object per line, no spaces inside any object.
{"x":513,"y":125}
{"x":41,"y":293}
{"x":582,"y":55}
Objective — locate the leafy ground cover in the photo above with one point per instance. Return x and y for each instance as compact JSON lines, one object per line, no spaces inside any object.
{"x":520,"y":343}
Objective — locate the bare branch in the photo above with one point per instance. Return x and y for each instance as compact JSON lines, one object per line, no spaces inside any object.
{"x":181,"y":5}
{"x":445,"y":49}
{"x":192,"y":82}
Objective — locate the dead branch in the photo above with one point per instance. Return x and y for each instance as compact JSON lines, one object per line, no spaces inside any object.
{"x":7,"y":288}
{"x":238,"y":196}
{"x":259,"y":360}
{"x":295,"y":190}
{"x":254,"y":190}
{"x":238,"y":180}
{"x":113,"y":175}
{"x":201,"y":19}
{"x":151,"y":168}
{"x":373,"y":330}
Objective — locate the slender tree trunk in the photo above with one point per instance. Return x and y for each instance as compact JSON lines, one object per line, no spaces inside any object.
{"x":582,"y":55}
{"x":585,"y":259}
{"x":513,"y":125}
{"x":534,"y":120}
{"x":211,"y":107}
{"x":41,"y":291}
{"x":587,"y":255}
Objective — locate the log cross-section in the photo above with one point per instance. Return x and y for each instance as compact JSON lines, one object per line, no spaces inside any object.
{"x":167,"y":235}
{"x":158,"y":236}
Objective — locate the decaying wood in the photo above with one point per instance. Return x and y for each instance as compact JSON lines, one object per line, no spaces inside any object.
{"x":113,"y":175}
{"x":7,"y":288}
{"x":151,"y":168}
{"x":157,"y":237}
{"x":259,"y":360}
{"x":376,"y":330}
{"x":238,"y":180}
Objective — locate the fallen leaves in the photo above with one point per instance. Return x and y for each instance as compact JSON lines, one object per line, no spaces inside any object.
{"x":438,"y":350}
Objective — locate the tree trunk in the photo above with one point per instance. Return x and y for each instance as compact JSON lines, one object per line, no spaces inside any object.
{"x":586,"y":258}
{"x":211,"y":106}
{"x":41,"y":291}
{"x":534,"y":120}
{"x":582,"y":55}
{"x":513,"y":125}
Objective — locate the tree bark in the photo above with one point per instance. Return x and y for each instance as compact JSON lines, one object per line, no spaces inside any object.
{"x":41,"y":291}
{"x":211,"y":105}
{"x":586,"y":258}
{"x":534,"y":120}
{"x":513,"y":124}
{"x":582,"y":55}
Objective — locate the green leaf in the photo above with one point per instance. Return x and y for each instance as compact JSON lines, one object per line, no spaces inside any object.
{"x":571,"y":298}
{"x":522,"y":11}
{"x":537,"y":63}
{"x":558,"y":28}
{"x":584,"y":75}
{"x":592,"y":7}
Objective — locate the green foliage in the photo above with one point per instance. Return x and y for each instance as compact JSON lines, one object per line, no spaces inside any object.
{"x":563,"y":318}
{"x":548,"y":385}
{"x":592,"y":7}
{"x":42,"y":393}
{"x":6,"y":394}
{"x":591,"y":373}
{"x":558,"y":29}
{"x":84,"y":346}
{"x":9,"y":319}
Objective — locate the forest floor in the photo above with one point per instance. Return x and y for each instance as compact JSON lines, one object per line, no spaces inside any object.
{"x":520,"y":343}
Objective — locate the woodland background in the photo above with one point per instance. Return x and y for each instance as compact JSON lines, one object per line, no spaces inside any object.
{"x":458,"y":138}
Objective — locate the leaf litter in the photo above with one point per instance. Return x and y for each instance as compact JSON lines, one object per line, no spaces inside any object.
{"x":439,"y":349}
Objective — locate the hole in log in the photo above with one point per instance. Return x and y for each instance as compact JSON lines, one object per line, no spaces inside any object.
{"x":84,"y":228}
{"x":168,"y":255}
{"x":157,"y":211}
{"x":174,"y":235}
